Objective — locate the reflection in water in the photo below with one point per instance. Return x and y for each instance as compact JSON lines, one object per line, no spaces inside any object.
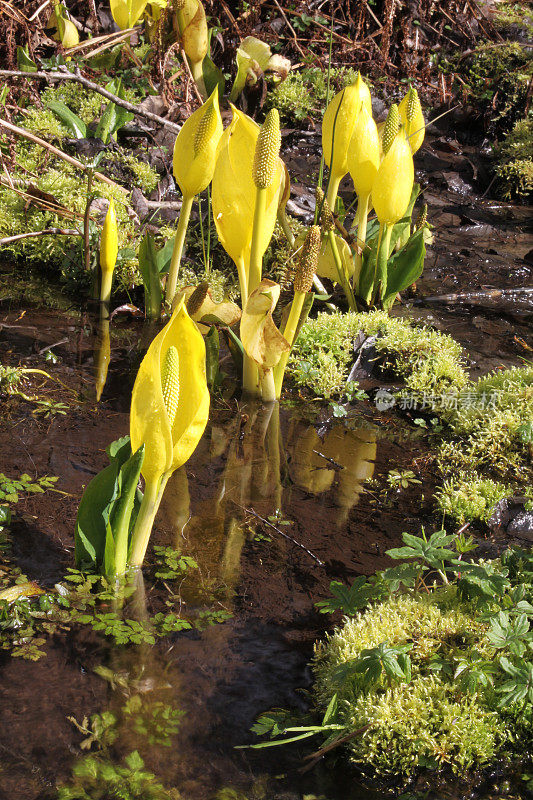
{"x":345,"y":459}
{"x":102,"y":356}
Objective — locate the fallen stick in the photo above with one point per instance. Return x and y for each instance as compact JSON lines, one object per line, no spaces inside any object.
{"x":45,"y":232}
{"x":281,"y":533}
{"x":95,"y":87}
{"x":490,"y":294}
{"x":56,"y":151}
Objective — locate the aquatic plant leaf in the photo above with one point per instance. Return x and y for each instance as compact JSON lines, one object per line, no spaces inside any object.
{"x":106,"y":498}
{"x":260,"y":337}
{"x":168,"y":446}
{"x":252,"y":59}
{"x":404,"y":268}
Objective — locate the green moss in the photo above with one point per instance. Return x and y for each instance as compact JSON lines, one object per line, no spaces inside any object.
{"x":304,"y":94}
{"x":429,"y":362}
{"x":143,"y":175}
{"x":68,"y":187}
{"x":515,"y":161}
{"x":417,"y":723}
{"x":510,"y":15}
{"x":471,"y":499}
{"x":489,"y":428}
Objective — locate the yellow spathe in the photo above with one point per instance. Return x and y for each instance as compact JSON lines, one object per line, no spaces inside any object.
{"x":195,"y":150}
{"x":167,"y":446}
{"x":393,"y":185}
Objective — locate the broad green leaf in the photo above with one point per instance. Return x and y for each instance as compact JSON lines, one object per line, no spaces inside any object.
{"x":71,"y":120}
{"x":405,"y":267}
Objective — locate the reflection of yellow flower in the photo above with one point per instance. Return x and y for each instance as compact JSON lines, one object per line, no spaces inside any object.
{"x":393,"y":185}
{"x":234,"y":194}
{"x":127,"y":12}
{"x":196,"y":148}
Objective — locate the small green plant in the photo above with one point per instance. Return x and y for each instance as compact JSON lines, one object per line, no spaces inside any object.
{"x":95,"y":778}
{"x":466,"y":499}
{"x":397,"y":479}
{"x":437,"y":671}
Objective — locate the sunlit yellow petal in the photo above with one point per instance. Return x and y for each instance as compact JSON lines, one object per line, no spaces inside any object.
{"x":347,"y":103}
{"x":195,"y":150}
{"x":364,"y":152}
{"x":393,"y":185}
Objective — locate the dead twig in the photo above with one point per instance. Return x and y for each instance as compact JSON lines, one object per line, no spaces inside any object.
{"x":69,"y":76}
{"x":281,"y":533}
{"x":45,"y":232}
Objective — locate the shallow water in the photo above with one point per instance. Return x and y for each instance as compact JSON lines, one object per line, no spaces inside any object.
{"x":281,"y":467}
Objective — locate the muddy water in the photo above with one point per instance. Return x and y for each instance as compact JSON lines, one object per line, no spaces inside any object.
{"x":304,"y":479}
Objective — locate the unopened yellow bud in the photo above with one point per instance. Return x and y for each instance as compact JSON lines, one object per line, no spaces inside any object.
{"x":363,"y":154}
{"x":109,"y":240}
{"x":303,"y":280}
{"x":267,"y":151}
{"x":392,"y":126}
{"x":339,"y":122}
{"x":393,"y":185}
{"x":170,"y":382}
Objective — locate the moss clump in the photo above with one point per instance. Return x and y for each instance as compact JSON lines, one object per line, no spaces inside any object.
{"x":143,"y":175}
{"x":425,"y":721}
{"x":515,"y":161}
{"x":491,"y":428}
{"x":468,"y":499}
{"x":68,"y":187}
{"x":304,"y":94}
{"x":496,"y":79}
{"x":429,"y":362}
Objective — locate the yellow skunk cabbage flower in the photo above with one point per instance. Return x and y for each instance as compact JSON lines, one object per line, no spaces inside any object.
{"x":170,"y":435}
{"x":195,"y":153}
{"x":192,"y":27}
{"x":127,"y":13}
{"x":234,"y":194}
{"x":393,"y":185}
{"x":61,"y":28}
{"x":108,"y":252}
{"x":413,"y":119}
{"x":195,"y":149}
{"x":363,"y":153}
{"x":337,"y":130}
{"x":169,"y":412}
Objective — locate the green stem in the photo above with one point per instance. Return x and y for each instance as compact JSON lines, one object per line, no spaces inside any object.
{"x":285,"y":227}
{"x":181,"y":231}
{"x":153,"y":492}
{"x":105,"y":292}
{"x":343,"y":279}
{"x":256,"y":254}
{"x":243,"y":280}
{"x":289,"y":333}
{"x":382,"y":258}
{"x":197,"y":72}
{"x":361,"y":221}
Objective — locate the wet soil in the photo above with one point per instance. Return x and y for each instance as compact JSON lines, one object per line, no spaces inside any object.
{"x":287,"y":469}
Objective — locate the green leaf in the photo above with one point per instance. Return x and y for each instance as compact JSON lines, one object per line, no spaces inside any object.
{"x":212,"y":351}
{"x":212,"y":76}
{"x":100,"y":506}
{"x":149,"y":268}
{"x":348,"y":599}
{"x":24,"y":62}
{"x":405,"y":267}
{"x":69,"y":119}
